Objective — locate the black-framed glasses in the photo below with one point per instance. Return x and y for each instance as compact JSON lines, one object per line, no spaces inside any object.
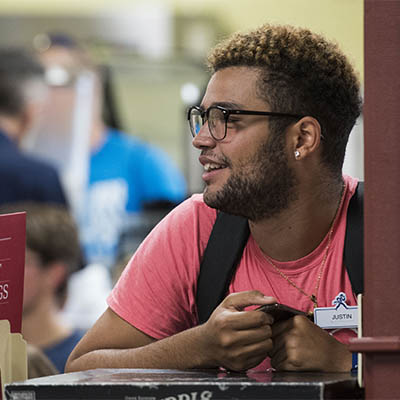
{"x":218,"y":117}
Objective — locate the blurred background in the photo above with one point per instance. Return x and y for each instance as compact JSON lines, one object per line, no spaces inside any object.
{"x":154,"y":52}
{"x":142,"y":66}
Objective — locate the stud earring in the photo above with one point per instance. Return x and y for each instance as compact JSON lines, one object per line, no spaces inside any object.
{"x":297,"y":154}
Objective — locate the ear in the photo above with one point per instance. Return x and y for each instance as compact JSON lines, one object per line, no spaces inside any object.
{"x":305,"y":137}
{"x":56,"y":273}
{"x":26,"y":120}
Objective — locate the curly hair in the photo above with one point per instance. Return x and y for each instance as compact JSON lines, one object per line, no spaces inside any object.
{"x":300,"y":73}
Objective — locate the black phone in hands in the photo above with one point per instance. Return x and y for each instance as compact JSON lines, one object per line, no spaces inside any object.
{"x":280,"y":312}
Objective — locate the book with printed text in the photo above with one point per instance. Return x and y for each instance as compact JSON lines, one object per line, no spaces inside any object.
{"x":12,"y":265}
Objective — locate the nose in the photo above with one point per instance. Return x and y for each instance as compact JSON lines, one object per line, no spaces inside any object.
{"x":203,"y":138}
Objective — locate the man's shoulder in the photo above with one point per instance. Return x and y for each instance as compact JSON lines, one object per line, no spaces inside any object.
{"x":121,"y":139}
{"x":351,"y":181}
{"x":38,"y":167}
{"x":25,"y":177}
{"x":127,"y":148}
{"x":192,"y":217}
{"x":351,"y":184}
{"x":27,"y":165}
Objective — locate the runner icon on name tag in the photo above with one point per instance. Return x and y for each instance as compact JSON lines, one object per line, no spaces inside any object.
{"x":338,"y":317}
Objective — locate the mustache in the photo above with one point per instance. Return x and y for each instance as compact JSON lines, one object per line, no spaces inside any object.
{"x":217,"y":158}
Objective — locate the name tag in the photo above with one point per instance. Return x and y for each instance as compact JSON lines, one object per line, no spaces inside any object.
{"x":336,"y":318}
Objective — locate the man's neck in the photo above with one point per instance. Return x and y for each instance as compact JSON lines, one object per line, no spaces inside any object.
{"x":10,"y":127}
{"x":297,"y":231}
{"x":42,"y":326}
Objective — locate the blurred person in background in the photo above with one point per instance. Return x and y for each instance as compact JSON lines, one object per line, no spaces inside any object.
{"x":22,"y":91}
{"x":38,"y":363}
{"x":53,"y":253}
{"x":126,"y":175}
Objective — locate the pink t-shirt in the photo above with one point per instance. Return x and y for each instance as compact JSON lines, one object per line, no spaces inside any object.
{"x":156,"y":293}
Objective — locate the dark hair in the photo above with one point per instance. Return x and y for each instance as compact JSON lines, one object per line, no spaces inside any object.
{"x":300,"y":73}
{"x":17,"y":68}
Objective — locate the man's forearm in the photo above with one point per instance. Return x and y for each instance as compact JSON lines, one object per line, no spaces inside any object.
{"x":231,"y":338}
{"x":184,"y":350}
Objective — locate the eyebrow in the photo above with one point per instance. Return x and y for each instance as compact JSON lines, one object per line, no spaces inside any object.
{"x":226,"y":104}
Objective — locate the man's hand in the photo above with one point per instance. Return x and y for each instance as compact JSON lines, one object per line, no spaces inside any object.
{"x":231,"y":338}
{"x":300,"y":345}
{"x":236,"y":339}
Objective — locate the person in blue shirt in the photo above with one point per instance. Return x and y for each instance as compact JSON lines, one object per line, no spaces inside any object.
{"x":126,"y":178}
{"x":22,"y":88}
{"x":130,"y":183}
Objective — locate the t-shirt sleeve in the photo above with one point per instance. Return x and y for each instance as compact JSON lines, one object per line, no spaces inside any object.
{"x":156,"y":291}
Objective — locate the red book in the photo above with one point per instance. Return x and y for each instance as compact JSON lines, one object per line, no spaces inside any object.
{"x":12,"y":266}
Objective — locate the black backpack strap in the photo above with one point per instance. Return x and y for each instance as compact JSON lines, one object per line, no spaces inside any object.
{"x":354,"y":242}
{"x":229,"y":237}
{"x":224,"y":250}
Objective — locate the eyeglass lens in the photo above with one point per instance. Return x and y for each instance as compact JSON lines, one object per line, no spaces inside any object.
{"x":216,"y":123}
{"x":196,"y":121}
{"x":215,"y":119}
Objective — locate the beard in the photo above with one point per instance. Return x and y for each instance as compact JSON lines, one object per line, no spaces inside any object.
{"x":259,"y":189}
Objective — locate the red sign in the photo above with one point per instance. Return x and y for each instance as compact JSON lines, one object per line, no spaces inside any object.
{"x":12,"y":265}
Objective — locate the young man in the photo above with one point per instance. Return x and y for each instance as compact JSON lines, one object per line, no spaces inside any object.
{"x":272,"y":129}
{"x":22,"y":90}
